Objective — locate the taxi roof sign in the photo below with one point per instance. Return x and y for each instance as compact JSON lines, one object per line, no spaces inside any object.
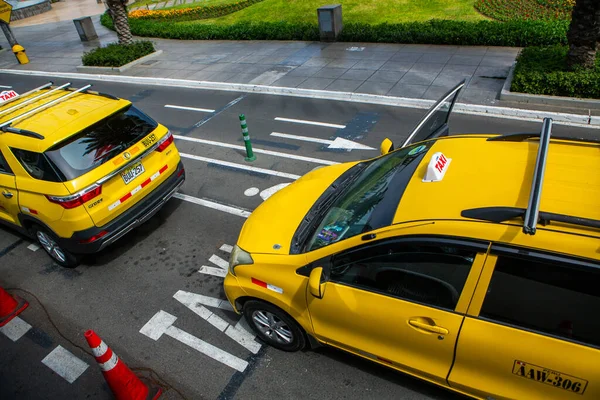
{"x":437,"y":167}
{"x":5,"y":11}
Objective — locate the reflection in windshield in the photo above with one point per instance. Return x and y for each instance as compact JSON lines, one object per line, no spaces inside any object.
{"x":351,"y":212}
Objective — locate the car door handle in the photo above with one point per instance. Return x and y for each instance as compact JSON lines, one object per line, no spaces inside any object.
{"x":428,"y":327}
{"x":8,"y":195}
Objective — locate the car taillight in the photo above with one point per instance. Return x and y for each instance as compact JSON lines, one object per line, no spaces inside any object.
{"x":94,"y":238}
{"x":77,"y":199}
{"x":165,"y":142}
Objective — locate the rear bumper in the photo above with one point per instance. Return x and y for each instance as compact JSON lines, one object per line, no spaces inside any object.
{"x":127,"y":221}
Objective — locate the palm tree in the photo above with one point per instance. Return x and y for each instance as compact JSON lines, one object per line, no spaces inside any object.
{"x":118,"y":12}
{"x":584,"y":34}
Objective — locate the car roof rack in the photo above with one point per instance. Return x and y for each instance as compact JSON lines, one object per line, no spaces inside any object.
{"x":33,"y":99}
{"x":17,"y":97}
{"x":42,"y":107}
{"x":522,"y":136}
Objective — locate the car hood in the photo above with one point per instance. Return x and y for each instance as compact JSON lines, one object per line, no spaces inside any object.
{"x":270,"y":228}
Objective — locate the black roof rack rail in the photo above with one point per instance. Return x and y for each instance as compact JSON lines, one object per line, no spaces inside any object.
{"x":522,"y":136}
{"x":501,"y":214}
{"x":22,"y":132}
{"x":533,"y":206}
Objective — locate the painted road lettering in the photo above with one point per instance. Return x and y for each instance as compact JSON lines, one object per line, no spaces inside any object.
{"x":549,"y":377}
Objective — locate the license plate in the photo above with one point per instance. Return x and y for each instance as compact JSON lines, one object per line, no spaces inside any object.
{"x":549,"y":377}
{"x":132,"y":173}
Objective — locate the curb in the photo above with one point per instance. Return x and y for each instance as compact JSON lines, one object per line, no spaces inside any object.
{"x":117,"y":70}
{"x":558,"y":101}
{"x":462,"y":108}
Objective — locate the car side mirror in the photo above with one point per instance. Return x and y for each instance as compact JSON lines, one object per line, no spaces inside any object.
{"x":386,"y":146}
{"x":315,"y":286}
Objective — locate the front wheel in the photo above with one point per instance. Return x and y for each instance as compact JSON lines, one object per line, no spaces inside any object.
{"x":274,"y":326}
{"x":49,"y":243}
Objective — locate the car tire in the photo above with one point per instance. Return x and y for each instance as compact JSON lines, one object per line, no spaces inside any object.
{"x":274,"y":326}
{"x":49,"y":242}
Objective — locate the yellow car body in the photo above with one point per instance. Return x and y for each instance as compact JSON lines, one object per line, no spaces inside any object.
{"x":438,"y":283}
{"x":80,"y":169}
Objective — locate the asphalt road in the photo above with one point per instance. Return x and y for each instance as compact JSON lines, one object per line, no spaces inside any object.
{"x":119,"y":290}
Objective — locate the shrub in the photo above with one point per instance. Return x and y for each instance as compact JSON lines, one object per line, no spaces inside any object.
{"x":117,"y":55}
{"x":524,"y":10}
{"x":543,"y":70}
{"x":192,"y":13}
{"x":487,"y":33}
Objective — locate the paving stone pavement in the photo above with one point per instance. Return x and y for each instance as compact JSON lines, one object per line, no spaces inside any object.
{"x":402,"y":70}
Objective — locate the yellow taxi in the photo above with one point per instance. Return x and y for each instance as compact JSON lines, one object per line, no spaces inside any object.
{"x":472,"y":262}
{"x":80,"y":169}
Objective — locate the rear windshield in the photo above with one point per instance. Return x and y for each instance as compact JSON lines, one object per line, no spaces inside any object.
{"x":100,"y":142}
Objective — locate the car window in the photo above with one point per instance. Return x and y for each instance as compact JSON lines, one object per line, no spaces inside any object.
{"x":552,"y":298}
{"x":429,"y":274}
{"x":38,"y":166}
{"x":4,"y":168}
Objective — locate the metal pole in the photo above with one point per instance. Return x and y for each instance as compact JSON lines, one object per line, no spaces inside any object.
{"x":8,"y":33}
{"x":249,"y":153}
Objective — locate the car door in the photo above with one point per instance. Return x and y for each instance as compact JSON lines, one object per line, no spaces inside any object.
{"x":532,"y":330}
{"x":9,"y":198}
{"x":398,"y":301}
{"x":435,"y":122}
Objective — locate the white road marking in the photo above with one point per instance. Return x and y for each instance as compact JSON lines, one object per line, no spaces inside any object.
{"x":253,"y":191}
{"x":162,"y":322}
{"x":221,"y":273}
{"x":258,"y":151}
{"x":193,"y":302}
{"x":302,"y":121}
{"x":241,"y":166}
{"x":15,"y":329}
{"x":240,"y":212}
{"x":5,"y":87}
{"x":33,"y":247}
{"x":206,"y":110}
{"x":227,"y":106}
{"x":242,"y":325}
{"x":219,"y":262}
{"x":265,"y":194}
{"x":186,"y":298}
{"x":337,"y":143}
{"x":65,"y":364}
{"x":226,"y":248}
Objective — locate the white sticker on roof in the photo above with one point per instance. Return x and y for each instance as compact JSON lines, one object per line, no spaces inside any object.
{"x":7,"y":95}
{"x":437,"y":167}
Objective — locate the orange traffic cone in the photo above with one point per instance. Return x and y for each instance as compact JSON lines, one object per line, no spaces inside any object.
{"x":10,"y":306}
{"x":124,"y":384}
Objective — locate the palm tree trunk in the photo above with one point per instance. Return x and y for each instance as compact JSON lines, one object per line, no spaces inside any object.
{"x":584,"y":33}
{"x":118,"y":13}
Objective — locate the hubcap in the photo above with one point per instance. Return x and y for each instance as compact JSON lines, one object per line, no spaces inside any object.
{"x":272,"y":327}
{"x":51,"y":247}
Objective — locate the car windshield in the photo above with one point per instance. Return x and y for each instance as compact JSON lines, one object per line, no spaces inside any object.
{"x":100,"y":142}
{"x":369,"y":200}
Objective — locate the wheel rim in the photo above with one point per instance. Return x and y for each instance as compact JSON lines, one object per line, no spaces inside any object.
{"x":272,"y":327}
{"x":51,"y":247}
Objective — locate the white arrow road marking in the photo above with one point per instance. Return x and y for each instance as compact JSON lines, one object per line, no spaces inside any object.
{"x":206,"y":270}
{"x":265,"y":194}
{"x":207,"y":110}
{"x":194,"y":302}
{"x":302,"y":121}
{"x":241,"y":166}
{"x":337,"y":143}
{"x":162,"y":323}
{"x":219,"y":262}
{"x":258,"y":151}
{"x":226,"y":248}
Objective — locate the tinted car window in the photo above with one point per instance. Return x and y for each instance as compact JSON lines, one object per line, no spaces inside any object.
{"x":101,"y":142}
{"x":433,"y":275}
{"x":4,"y":168}
{"x":38,"y":166}
{"x":547,"y":297}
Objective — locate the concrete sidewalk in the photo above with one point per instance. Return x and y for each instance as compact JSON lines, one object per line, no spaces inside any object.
{"x":412,"y":71}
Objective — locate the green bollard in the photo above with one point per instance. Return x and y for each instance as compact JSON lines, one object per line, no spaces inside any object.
{"x":249,"y":153}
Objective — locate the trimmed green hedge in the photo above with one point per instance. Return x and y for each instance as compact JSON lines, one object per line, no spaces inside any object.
{"x":117,"y":55}
{"x":487,"y":33}
{"x":543,"y":70}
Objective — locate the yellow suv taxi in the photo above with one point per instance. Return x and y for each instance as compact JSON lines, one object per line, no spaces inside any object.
{"x":80,"y":169}
{"x":472,"y":262}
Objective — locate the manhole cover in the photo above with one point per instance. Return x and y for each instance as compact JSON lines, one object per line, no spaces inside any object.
{"x":151,"y":62}
{"x":354,"y":48}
